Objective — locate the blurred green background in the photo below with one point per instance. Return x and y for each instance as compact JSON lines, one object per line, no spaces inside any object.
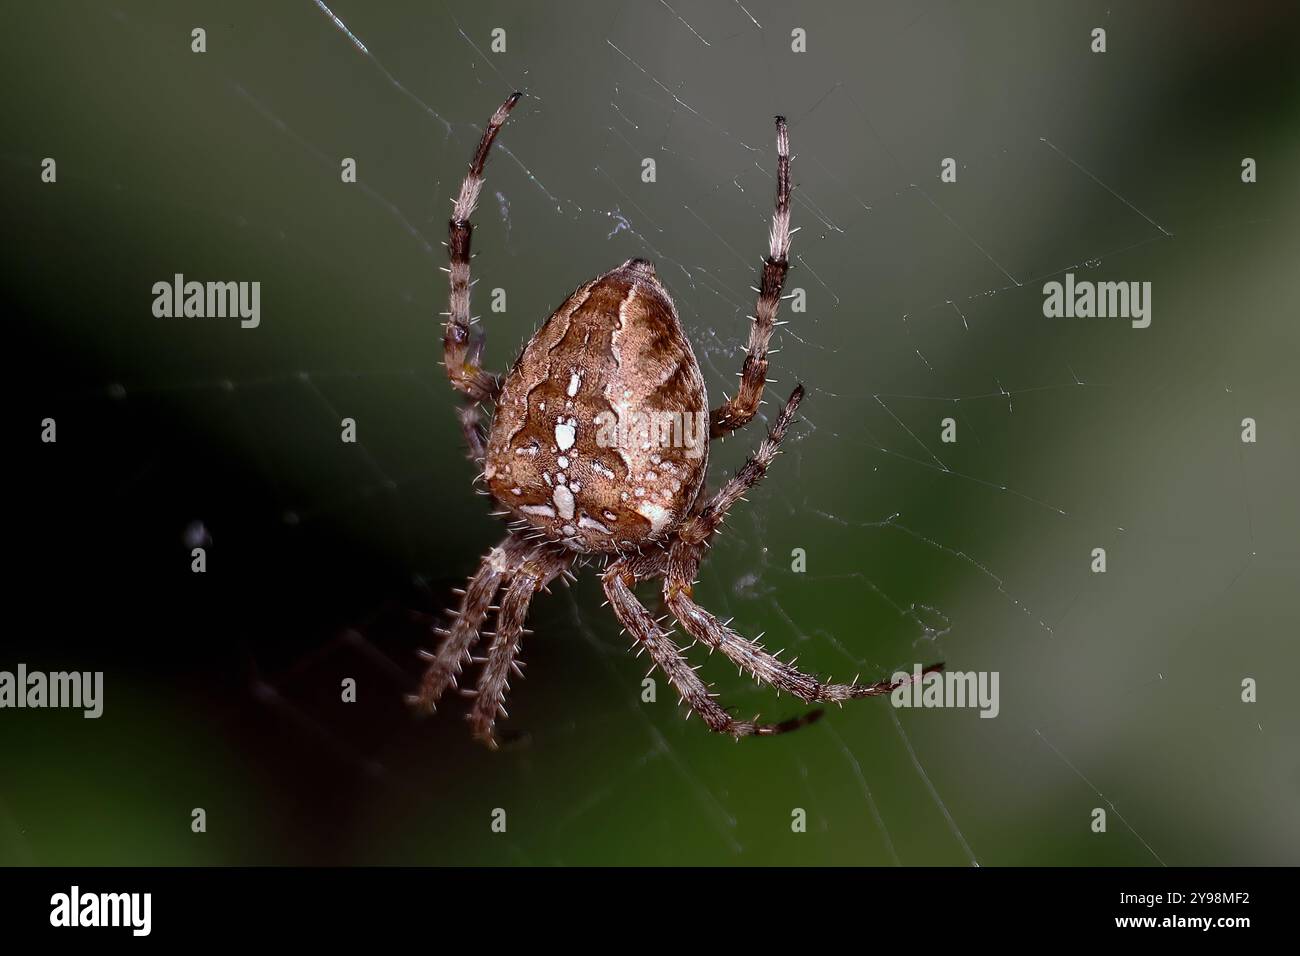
{"x":924,"y":300}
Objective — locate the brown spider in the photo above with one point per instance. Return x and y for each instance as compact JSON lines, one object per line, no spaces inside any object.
{"x":613,"y":354}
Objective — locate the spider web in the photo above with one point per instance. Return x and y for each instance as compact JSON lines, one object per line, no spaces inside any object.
{"x":1120,"y":690}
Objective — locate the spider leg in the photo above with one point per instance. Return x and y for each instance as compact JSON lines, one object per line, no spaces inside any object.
{"x":699,"y":528}
{"x":765,"y":667}
{"x":537,"y":571}
{"x":737,"y":411}
{"x":684,"y":561}
{"x":666,"y":655}
{"x":445,"y":664}
{"x":462,"y":348}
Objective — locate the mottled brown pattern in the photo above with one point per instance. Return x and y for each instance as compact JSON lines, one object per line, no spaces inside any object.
{"x":613,"y":352}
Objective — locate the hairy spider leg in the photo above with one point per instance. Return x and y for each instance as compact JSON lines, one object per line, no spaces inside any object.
{"x":453,"y":652}
{"x":536,"y":571}
{"x":463,"y":347}
{"x":700,"y":624}
{"x":737,"y":411}
{"x":668,"y":657}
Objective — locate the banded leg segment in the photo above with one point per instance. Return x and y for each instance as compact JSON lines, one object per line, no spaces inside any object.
{"x":699,"y":528}
{"x":463,"y":347}
{"x":765,"y":667}
{"x":446,"y":663}
{"x":684,"y":560}
{"x":737,"y":411}
{"x":666,"y":655}
{"x":538,"y":570}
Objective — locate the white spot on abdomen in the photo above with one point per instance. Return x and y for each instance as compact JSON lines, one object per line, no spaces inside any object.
{"x":575,"y":380}
{"x":565,"y":432}
{"x":564,"y":501}
{"x":657,"y":515}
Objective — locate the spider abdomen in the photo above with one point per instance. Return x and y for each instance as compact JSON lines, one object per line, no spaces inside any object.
{"x":600,"y":438}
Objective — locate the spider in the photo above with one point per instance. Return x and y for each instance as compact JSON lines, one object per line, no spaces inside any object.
{"x":612,"y":354}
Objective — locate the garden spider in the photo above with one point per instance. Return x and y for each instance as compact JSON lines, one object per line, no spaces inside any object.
{"x":613,"y":353}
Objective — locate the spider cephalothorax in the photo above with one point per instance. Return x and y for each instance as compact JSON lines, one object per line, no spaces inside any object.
{"x":598,"y":446}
